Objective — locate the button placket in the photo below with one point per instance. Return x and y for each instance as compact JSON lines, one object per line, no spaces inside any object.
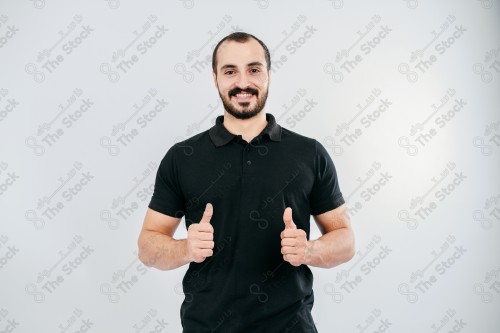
{"x":246,"y":155}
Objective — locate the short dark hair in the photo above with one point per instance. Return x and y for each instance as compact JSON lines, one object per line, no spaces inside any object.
{"x":240,"y":37}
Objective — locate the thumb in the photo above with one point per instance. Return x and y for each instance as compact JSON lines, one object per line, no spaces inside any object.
{"x":287,"y":218}
{"x":207,"y":214}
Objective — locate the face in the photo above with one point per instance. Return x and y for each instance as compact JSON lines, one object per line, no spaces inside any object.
{"x":242,"y":78}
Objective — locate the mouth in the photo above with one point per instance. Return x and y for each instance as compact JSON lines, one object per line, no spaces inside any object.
{"x":242,"y":96}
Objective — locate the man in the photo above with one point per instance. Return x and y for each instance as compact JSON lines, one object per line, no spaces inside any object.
{"x":247,"y":188}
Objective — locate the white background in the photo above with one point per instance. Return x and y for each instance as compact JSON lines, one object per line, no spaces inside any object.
{"x":78,"y":158}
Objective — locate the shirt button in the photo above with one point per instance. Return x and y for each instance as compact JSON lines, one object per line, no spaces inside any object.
{"x":249,"y":162}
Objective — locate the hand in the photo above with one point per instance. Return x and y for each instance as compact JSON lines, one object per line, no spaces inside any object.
{"x":294,"y":242}
{"x":200,"y":238}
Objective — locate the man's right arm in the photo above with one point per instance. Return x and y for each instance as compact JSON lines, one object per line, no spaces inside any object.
{"x":158,"y":248}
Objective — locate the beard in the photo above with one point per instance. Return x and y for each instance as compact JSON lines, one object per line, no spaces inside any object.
{"x":246,"y":112}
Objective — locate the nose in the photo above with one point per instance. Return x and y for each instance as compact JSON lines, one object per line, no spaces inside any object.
{"x":243,"y":81}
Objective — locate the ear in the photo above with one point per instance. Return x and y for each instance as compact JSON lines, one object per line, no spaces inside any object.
{"x":215,"y":79}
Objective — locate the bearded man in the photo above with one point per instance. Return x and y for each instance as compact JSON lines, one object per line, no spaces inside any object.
{"x":247,"y":189}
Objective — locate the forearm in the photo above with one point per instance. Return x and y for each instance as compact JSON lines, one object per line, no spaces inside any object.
{"x":161,"y":251}
{"x":331,"y":249}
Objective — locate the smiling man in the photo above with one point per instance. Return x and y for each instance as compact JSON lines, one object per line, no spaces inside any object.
{"x":247,"y":189}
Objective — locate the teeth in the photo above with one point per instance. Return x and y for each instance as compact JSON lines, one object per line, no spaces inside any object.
{"x":244,"y":95}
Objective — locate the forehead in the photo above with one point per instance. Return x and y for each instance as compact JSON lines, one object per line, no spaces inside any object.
{"x":240,"y":54}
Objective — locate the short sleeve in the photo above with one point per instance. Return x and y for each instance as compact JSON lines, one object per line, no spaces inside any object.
{"x":167,"y":196}
{"x":325,"y":193}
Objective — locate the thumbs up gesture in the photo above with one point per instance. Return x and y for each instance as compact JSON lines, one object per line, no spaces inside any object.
{"x":200,"y":238}
{"x":293,"y":241}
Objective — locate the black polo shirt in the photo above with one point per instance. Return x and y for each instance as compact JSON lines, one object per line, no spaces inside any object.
{"x":246,"y":286}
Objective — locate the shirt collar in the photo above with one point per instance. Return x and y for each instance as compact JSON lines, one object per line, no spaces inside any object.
{"x":220,"y":135}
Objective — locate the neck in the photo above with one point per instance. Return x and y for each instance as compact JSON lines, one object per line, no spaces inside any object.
{"x":247,"y":128}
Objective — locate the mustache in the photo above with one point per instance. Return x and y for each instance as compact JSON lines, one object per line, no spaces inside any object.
{"x":235,"y":91}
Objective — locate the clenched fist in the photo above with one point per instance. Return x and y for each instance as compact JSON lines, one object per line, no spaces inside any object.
{"x":294,"y":244}
{"x":200,"y":238}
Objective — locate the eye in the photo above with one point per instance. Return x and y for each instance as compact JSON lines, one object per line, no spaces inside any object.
{"x":229,"y":72}
{"x":254,"y":70}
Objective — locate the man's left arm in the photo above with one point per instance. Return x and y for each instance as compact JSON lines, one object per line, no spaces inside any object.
{"x":334,"y":247}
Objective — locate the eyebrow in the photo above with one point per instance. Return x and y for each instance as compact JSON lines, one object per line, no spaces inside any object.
{"x":255,"y":63}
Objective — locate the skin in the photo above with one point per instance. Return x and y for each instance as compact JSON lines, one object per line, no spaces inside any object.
{"x":243,"y":66}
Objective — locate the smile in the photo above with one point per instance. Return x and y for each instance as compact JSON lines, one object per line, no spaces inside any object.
{"x":243,"y":97}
